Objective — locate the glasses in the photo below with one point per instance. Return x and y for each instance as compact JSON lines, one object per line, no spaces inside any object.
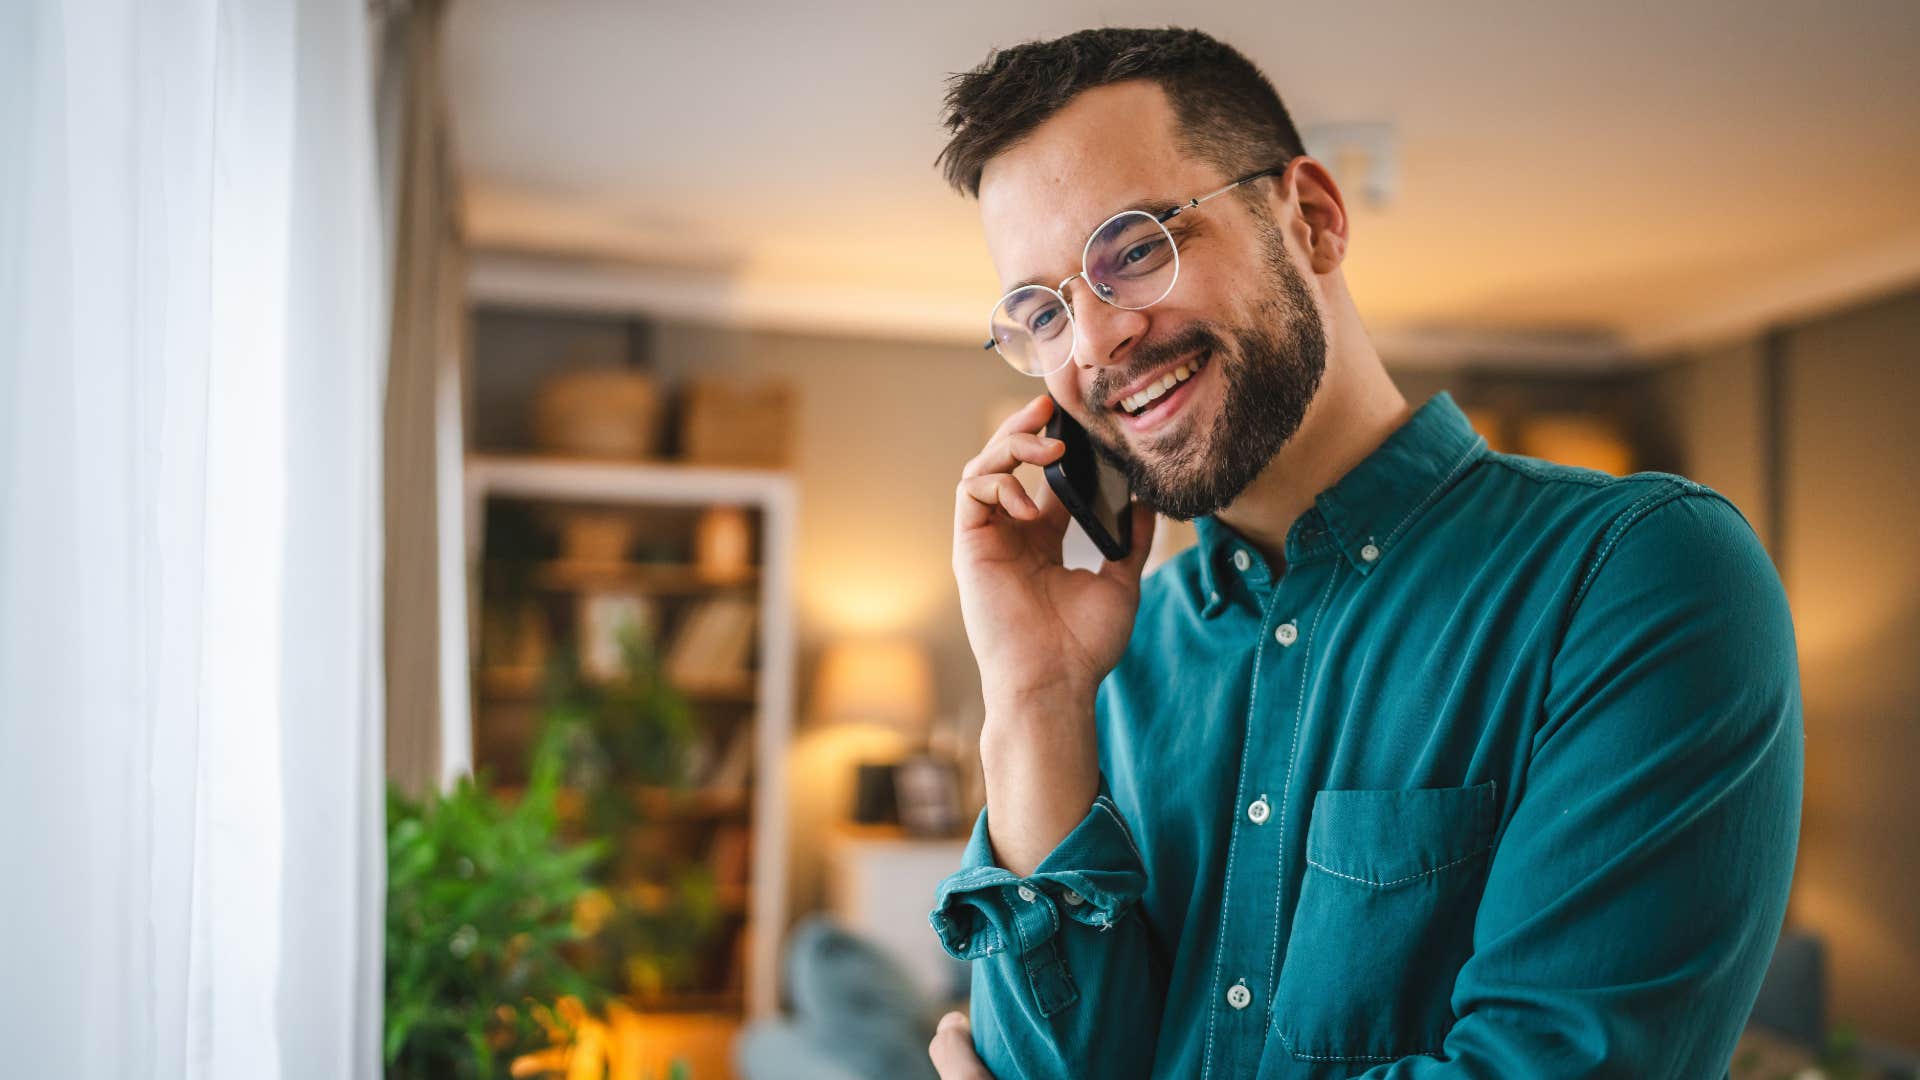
{"x":1130,"y":262}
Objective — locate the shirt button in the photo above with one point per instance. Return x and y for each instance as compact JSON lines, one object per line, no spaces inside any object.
{"x":1286,"y":633}
{"x":1027,"y":894}
{"x":1259,"y":810}
{"x":1072,"y":898}
{"x":1239,"y":996}
{"x":1242,"y":560}
{"x":1369,"y":553}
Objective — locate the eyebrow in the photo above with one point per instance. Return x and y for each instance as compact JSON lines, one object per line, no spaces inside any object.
{"x":1155,"y":205}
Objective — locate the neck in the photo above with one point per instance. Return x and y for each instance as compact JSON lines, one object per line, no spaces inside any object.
{"x":1355,"y":409}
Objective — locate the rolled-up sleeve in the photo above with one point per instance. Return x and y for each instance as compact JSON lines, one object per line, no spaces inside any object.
{"x":1045,"y":942}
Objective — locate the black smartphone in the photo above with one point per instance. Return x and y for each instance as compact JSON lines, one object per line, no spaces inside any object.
{"x":1093,"y":489}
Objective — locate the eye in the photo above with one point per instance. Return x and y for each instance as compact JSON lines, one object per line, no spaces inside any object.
{"x":1139,"y":252}
{"x":1042,"y":319}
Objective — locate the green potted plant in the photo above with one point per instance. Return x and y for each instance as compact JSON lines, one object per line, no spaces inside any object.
{"x":480,"y":903}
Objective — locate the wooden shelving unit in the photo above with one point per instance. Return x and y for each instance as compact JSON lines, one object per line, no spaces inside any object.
{"x":507,"y":697}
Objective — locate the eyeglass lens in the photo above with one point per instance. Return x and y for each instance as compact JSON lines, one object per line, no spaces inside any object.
{"x":1129,"y":262}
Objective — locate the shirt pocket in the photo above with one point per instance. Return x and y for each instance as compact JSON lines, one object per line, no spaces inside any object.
{"x":1385,"y":921}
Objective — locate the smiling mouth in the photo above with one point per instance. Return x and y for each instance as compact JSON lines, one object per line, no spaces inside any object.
{"x":1145,"y":401}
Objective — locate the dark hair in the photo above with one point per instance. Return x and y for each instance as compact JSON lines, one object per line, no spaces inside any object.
{"x":1229,"y":113}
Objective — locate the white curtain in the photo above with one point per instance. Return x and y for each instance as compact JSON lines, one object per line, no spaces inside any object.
{"x":191,"y":342}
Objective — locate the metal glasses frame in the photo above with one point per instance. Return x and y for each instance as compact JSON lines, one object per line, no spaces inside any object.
{"x":1101,"y":292}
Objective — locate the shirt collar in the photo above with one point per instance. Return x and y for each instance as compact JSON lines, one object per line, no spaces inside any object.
{"x":1366,"y":513}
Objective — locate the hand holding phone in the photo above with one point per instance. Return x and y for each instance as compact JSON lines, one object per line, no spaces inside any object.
{"x":1044,"y":635}
{"x":1092,"y":488}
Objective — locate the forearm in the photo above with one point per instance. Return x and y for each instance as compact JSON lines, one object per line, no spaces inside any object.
{"x":1039,"y":757}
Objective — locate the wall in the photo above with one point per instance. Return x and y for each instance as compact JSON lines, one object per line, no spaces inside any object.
{"x":883,"y":429}
{"x":1850,"y":395}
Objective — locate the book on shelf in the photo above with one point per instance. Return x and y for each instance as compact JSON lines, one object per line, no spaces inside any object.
{"x":713,"y":645}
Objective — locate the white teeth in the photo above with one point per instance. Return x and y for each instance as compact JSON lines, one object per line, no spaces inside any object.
{"x":1133,"y":403}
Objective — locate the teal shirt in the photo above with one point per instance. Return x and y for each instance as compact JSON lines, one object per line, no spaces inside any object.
{"x":1498,"y":777}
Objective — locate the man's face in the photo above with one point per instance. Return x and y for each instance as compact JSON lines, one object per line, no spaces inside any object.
{"x":1241,"y":319}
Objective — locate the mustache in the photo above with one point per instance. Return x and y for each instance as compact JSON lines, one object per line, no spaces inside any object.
{"x":1147,"y":357}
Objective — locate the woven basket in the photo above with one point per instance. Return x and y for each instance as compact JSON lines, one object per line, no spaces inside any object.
{"x":598,"y":414}
{"x":733,"y":423}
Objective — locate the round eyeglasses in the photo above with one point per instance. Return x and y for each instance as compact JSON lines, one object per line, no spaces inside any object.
{"x":1130,"y":262}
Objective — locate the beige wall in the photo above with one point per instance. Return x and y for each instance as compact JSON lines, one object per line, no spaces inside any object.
{"x":1851,"y":396}
{"x":1715,"y":406}
{"x":883,"y":429}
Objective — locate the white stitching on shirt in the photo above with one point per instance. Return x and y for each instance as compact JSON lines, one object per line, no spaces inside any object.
{"x":1478,"y":440}
{"x":1398,"y":881}
{"x":1104,"y":803}
{"x":1286,"y":793}
{"x":1627,"y":519}
{"x":1233,"y":832}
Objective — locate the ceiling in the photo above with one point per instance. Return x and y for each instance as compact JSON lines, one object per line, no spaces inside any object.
{"x":1634,"y":175}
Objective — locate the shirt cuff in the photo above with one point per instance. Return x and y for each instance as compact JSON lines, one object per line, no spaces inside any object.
{"x":1093,"y":877}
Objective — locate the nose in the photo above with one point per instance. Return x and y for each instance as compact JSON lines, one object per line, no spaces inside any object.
{"x":1102,"y":333}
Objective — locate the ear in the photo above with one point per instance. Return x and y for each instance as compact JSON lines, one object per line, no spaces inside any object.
{"x":1315,"y":213}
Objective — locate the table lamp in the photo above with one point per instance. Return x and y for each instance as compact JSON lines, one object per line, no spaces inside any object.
{"x":885,"y":682}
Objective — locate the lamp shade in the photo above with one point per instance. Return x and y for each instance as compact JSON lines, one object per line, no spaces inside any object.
{"x":885,"y":681}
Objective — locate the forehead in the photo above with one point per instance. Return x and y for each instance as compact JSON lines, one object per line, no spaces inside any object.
{"x":1111,"y":148}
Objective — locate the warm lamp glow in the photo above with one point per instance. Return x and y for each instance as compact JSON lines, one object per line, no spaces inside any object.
{"x":886,"y":681}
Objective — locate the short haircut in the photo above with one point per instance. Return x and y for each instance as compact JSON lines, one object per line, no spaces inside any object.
{"x":1229,"y":114}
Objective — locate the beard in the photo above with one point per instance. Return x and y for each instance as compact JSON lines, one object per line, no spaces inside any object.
{"x":1269,"y":371}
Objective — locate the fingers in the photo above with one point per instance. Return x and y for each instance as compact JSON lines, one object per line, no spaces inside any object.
{"x":977,"y":496}
{"x":987,"y":481}
{"x":1006,"y":452}
{"x":952,"y":1050}
{"x":1145,"y":522}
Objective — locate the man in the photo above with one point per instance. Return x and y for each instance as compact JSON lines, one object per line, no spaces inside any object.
{"x":1428,"y":761}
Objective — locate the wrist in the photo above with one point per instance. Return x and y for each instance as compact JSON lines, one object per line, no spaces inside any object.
{"x":1009,"y":704}
{"x":1039,"y":734}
